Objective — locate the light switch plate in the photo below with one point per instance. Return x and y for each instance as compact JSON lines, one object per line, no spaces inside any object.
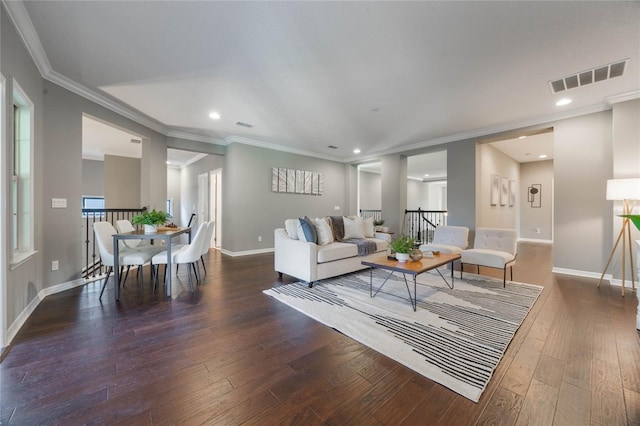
{"x":58,"y":203}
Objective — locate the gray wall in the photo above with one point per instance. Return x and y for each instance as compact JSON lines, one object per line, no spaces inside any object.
{"x":582,"y":165}
{"x":461,"y":184}
{"x":536,"y":172}
{"x":251,"y":209}
{"x":93,"y":178}
{"x":24,"y":281}
{"x":626,"y":164}
{"x":394,"y":191}
{"x":370,"y":191}
{"x":122,"y":182}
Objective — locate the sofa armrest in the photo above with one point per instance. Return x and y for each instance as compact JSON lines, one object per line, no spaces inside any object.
{"x":294,"y":257}
{"x":382,"y":236}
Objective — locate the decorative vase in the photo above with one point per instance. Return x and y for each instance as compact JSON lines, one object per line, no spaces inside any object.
{"x":150,"y":229}
{"x":416,"y":255}
{"x":402,"y":257}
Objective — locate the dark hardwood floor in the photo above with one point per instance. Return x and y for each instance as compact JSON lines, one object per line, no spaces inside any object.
{"x":229,"y":355}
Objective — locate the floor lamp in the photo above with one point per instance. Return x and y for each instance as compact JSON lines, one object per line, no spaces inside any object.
{"x":627,"y":191}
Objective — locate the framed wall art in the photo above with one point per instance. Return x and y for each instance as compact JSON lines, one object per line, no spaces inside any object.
{"x":504,"y":190}
{"x":296,"y":181}
{"x":495,"y":190}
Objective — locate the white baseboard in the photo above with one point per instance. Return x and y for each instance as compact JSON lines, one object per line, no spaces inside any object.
{"x":33,"y":304}
{"x":533,"y":240}
{"x":247,"y":252}
{"x":578,"y":273}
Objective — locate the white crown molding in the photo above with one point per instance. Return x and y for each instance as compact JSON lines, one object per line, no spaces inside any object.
{"x":20,"y":19}
{"x":196,"y":138}
{"x":261,"y":144}
{"x":622,"y":97}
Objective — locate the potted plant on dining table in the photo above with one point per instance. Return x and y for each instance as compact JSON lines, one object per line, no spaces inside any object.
{"x":151,"y":220}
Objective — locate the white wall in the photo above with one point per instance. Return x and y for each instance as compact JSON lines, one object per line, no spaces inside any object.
{"x":122,"y":183}
{"x":93,"y":178}
{"x":370,"y":191}
{"x":532,"y":218}
{"x":490,"y":162}
{"x":174,"y":176}
{"x":417,"y":192}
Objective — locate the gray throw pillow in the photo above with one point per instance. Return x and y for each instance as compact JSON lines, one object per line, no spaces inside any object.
{"x":308,"y":230}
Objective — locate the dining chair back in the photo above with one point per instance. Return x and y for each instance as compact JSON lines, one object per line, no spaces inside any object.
{"x":128,"y":257}
{"x":206,"y":244}
{"x":124,"y":225}
{"x":189,"y":254}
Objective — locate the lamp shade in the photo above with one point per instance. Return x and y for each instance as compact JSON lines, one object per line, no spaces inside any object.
{"x":623,"y":189}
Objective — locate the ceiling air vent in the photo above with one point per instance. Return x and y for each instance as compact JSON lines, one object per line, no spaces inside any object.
{"x":135,"y":141}
{"x":241,"y":124}
{"x":586,"y":77}
{"x":332,"y":147}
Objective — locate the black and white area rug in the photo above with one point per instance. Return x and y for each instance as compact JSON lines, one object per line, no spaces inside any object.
{"x":456,"y":337}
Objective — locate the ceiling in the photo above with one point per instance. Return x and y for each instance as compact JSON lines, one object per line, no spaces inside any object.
{"x":383,"y":77}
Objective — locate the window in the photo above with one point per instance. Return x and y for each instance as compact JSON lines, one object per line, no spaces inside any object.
{"x":92,"y":202}
{"x":170,"y":206}
{"x":22,"y":192}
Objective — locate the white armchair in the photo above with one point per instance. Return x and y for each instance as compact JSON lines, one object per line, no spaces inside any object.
{"x":448,"y":239}
{"x":493,"y":248}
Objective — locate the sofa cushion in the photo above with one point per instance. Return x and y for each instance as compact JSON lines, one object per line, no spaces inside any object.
{"x":337,"y":227}
{"x":352,"y":228}
{"x":323,"y":230}
{"x":291,"y":226}
{"x":336,"y":251}
{"x":487,"y":257}
{"x":306,"y":230}
{"x":367,"y":228}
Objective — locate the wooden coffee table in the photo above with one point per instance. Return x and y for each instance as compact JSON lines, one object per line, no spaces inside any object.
{"x":410,"y":268}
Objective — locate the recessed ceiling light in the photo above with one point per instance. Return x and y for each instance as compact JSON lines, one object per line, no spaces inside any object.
{"x":522,"y":137}
{"x":427,"y":175}
{"x":356,"y":151}
{"x":563,"y":102}
{"x":542,"y":156}
{"x":214,"y":116}
{"x":168,"y":162}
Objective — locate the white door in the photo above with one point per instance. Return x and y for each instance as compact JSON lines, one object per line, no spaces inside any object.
{"x":216,"y":207}
{"x":203,"y":199}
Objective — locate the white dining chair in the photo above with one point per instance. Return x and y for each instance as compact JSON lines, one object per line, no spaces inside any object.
{"x":207,"y":243}
{"x":128,"y":257}
{"x":188,"y":254}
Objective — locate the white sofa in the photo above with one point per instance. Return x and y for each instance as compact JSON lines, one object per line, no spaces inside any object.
{"x":310,"y":262}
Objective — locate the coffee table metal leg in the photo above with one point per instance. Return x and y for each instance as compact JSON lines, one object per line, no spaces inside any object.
{"x":379,"y":288}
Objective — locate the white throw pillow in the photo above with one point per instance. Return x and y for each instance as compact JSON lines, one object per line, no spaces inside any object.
{"x":368,"y":228}
{"x":352,"y":228}
{"x":323,"y":229}
{"x":291,"y":226}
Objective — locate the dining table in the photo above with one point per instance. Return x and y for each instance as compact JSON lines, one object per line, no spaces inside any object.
{"x":163,"y":234}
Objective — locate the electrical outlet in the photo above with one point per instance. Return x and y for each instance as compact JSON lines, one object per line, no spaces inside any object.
{"x":54,"y":265}
{"x":336,"y":208}
{"x":259,"y":238}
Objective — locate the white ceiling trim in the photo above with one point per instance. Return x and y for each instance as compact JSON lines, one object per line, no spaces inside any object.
{"x":197,"y":138}
{"x":622,"y":97}
{"x":268,"y":145}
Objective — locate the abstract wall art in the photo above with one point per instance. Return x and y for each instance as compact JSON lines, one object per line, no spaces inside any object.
{"x":296,"y":181}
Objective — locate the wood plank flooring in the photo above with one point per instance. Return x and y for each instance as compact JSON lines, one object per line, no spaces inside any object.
{"x":230,"y":355}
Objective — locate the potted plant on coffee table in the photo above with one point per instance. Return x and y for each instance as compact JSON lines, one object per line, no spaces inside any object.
{"x":402,"y":246}
{"x":150,"y":220}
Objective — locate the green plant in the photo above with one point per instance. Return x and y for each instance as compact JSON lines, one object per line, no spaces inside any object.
{"x":153,"y":217}
{"x":403,"y":244}
{"x":378,"y":222}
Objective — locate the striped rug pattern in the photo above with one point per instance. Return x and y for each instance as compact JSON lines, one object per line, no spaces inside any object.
{"x":456,"y":337}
